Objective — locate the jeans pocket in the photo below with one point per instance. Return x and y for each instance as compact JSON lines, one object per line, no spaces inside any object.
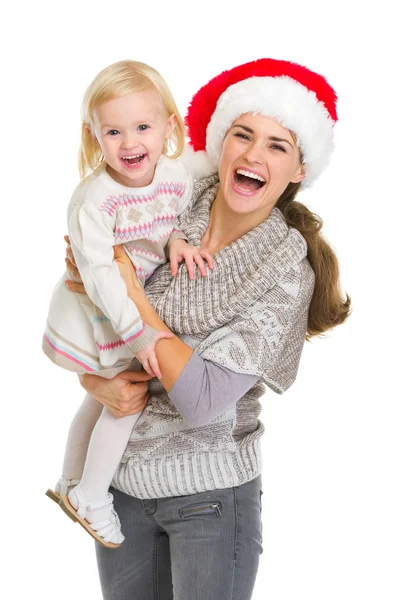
{"x":201,"y":508}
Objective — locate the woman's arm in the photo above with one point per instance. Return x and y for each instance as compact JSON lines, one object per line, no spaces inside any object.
{"x":172,"y":354}
{"x":126,"y":394}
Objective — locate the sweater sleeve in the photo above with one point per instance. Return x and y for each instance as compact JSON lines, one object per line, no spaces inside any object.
{"x":204,"y":390}
{"x":91,"y":233}
{"x":267,"y":340}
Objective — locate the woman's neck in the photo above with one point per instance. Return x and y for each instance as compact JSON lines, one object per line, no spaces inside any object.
{"x":226,"y":226}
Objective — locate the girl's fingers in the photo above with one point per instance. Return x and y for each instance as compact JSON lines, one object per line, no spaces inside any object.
{"x":154,"y":365}
{"x":173,"y":264}
{"x":190,"y":266}
{"x":66,"y":238}
{"x":150,"y":366}
{"x":200,"y":263}
{"x":207,"y":256}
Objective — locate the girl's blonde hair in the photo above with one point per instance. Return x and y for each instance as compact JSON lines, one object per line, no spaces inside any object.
{"x":121,"y":79}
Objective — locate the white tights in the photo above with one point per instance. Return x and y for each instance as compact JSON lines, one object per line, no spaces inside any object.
{"x":95,"y":445}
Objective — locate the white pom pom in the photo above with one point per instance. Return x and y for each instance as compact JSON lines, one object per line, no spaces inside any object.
{"x":198,"y":163}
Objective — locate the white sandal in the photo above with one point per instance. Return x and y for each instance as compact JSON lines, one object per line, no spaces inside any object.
{"x":63,"y":487}
{"x":108,"y":531}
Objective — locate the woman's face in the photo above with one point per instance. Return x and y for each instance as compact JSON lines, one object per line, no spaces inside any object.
{"x":259,"y":159}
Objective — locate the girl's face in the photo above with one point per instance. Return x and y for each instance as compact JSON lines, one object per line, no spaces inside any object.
{"x":259,"y":159}
{"x":131,"y":132}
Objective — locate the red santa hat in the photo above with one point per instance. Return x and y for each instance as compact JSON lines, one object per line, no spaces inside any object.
{"x":297,"y":98}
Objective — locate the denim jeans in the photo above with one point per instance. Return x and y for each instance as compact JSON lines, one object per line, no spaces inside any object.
{"x":201,"y":547}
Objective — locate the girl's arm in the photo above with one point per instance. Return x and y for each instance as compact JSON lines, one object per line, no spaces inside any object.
{"x":92,"y":240}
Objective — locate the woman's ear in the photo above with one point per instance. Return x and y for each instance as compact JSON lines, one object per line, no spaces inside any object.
{"x":299,"y":176}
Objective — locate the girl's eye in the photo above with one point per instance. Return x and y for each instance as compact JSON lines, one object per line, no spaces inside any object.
{"x":242,"y":135}
{"x":277,"y":147}
{"x":143,"y":127}
{"x":113,"y":132}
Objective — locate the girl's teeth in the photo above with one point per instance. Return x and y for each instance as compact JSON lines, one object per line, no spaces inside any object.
{"x":250,"y":174}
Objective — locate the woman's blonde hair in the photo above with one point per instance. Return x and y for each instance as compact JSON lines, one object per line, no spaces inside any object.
{"x":121,"y":79}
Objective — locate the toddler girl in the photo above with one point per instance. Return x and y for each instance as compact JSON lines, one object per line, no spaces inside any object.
{"x":131,"y":193}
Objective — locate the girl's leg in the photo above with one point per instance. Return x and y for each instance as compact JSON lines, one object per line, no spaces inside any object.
{"x":140,"y":568}
{"x":106,"y":447}
{"x":79,"y":436}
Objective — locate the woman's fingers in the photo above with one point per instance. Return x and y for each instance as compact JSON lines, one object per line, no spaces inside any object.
{"x":72,"y":270}
{"x":75,"y":286}
{"x":70,"y":255}
{"x":66,"y":238}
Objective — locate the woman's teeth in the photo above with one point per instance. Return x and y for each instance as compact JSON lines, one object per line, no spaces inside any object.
{"x":250,"y":174}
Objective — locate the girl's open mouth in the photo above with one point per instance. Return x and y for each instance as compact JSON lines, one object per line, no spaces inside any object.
{"x":134,"y":161}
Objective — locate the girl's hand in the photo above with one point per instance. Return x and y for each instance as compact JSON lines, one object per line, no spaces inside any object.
{"x":125,"y":394}
{"x":180,"y":250}
{"x":148,"y":357}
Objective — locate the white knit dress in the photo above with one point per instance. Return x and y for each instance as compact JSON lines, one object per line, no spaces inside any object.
{"x":100,"y":332}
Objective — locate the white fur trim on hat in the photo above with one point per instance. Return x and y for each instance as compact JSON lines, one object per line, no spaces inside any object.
{"x":198,"y":163}
{"x":288,"y":102}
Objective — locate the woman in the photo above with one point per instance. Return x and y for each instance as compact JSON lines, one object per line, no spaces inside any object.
{"x":188,"y":489}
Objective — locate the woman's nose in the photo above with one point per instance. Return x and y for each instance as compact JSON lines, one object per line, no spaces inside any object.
{"x":255,"y":153}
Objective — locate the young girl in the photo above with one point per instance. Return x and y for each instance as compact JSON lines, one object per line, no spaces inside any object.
{"x":132,"y":196}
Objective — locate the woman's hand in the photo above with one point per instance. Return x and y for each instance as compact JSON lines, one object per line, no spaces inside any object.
{"x":125,"y":394}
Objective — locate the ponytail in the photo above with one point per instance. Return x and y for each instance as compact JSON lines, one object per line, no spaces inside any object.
{"x":328,"y":307}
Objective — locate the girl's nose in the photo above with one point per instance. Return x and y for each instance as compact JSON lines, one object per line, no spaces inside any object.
{"x":129,"y":141}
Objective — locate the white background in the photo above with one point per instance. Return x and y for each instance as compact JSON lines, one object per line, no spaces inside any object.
{"x":331,"y":449}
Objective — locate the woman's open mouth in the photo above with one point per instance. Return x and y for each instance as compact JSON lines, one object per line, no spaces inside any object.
{"x":134,"y":161}
{"x":247,"y":183}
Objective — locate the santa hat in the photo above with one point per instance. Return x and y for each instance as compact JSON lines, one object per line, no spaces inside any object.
{"x":297,"y":98}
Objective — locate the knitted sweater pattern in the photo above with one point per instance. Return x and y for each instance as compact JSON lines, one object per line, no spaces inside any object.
{"x":249,"y":315}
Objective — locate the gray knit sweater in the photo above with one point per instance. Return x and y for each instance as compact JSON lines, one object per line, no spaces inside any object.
{"x":249,"y":315}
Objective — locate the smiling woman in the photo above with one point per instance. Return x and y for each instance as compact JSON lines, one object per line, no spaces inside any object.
{"x":262,"y":131}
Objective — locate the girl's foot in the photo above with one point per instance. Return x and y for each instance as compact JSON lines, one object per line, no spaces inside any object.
{"x":98,"y":518}
{"x":62,"y":488}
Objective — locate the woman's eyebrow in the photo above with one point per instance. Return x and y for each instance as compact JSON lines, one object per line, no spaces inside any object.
{"x":272,"y":138}
{"x":244,"y":127}
{"x":276,"y":139}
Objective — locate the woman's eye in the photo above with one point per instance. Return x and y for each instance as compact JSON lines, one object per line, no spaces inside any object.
{"x":143,"y":127}
{"x":242,"y":135}
{"x":277,"y":147}
{"x":113,"y":132}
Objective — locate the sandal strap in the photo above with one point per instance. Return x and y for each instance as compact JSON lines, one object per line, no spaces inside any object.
{"x":63,"y":485}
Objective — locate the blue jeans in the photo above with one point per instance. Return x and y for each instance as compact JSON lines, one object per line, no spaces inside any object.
{"x":201,"y":547}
